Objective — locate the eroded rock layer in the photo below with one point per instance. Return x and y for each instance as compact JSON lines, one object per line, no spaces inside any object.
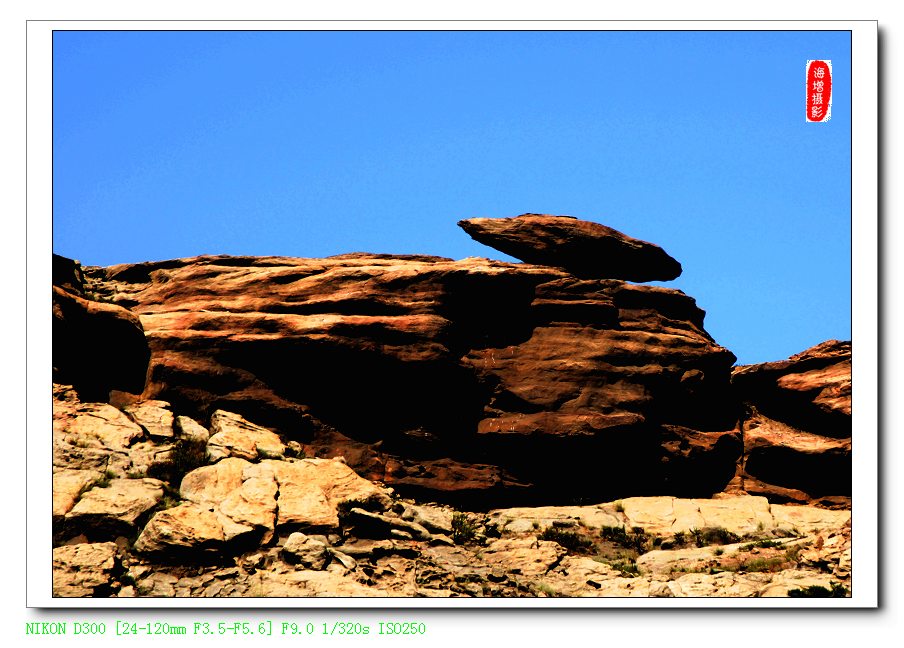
{"x":797,"y":429}
{"x":470,"y":380}
{"x":583,"y":248}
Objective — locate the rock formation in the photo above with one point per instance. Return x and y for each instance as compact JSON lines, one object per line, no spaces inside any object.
{"x":797,"y":432}
{"x":293,"y":417}
{"x":583,"y":248}
{"x":293,"y":526}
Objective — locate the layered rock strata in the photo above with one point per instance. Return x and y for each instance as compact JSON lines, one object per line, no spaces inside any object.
{"x":797,"y":431}
{"x":298,"y":527}
{"x":446,"y":377}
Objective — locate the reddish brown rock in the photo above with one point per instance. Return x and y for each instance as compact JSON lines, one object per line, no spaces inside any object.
{"x":584,"y":248}
{"x":474,"y":380}
{"x":797,"y":435}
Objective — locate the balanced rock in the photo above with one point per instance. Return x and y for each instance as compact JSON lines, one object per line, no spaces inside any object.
{"x":583,"y":248}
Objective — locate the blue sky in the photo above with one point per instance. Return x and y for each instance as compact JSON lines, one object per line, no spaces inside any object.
{"x":174,"y":144}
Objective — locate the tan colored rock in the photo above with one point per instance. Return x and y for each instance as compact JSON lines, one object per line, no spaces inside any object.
{"x":124,"y":501}
{"x":84,"y":569}
{"x":99,"y":425}
{"x":68,"y":486}
{"x":188,"y":428}
{"x":436,"y":519}
{"x":308,"y":552}
{"x":310,"y":490}
{"x":210,"y":485}
{"x":661,"y":562}
{"x":253,"y":503}
{"x":527,"y":519}
{"x":154,"y":417}
{"x":523,"y":556}
{"x":233,"y":436}
{"x":725,"y":584}
{"x":184,"y":527}
{"x":790,"y":579}
{"x":809,"y":519}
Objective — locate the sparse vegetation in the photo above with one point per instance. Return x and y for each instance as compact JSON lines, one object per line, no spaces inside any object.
{"x":104,"y":481}
{"x":713,"y":535}
{"x":184,"y":456}
{"x":463,"y":529}
{"x":573,"y":541}
{"x":636,"y":539}
{"x":835,"y":590}
{"x":546,"y":589}
{"x":619,"y":507}
{"x":761,"y":544}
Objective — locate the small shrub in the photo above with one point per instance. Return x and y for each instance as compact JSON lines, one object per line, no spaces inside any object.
{"x":627,"y":567}
{"x":546,"y":589}
{"x":636,"y":539}
{"x":185,"y":456}
{"x":762,"y":565}
{"x":761,"y":544}
{"x":572,"y":541}
{"x":619,"y":507}
{"x":463,"y":529}
{"x":714,"y":535}
{"x":719,"y":551}
{"x":104,"y":481}
{"x":818,"y":591}
{"x":679,"y":539}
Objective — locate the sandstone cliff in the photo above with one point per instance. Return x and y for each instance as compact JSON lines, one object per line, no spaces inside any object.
{"x":220,"y":404}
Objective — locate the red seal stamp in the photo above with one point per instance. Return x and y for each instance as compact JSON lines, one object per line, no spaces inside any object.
{"x":819,"y":91}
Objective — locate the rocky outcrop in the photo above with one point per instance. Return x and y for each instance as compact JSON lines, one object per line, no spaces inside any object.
{"x":797,"y":432}
{"x":97,"y":347}
{"x":446,"y":378}
{"x":293,"y":526}
{"x":583,"y":248}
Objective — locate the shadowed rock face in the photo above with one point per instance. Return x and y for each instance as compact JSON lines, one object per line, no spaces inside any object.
{"x":797,"y":435}
{"x":473,"y":381}
{"x":97,"y":347}
{"x":583,"y":248}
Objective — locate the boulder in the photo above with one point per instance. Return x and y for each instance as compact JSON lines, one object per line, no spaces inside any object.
{"x":187,"y":527}
{"x":116,"y":508}
{"x":189,"y":429}
{"x":583,"y":248}
{"x":85,"y":569}
{"x":300,"y":549}
{"x":154,"y":417}
{"x":233,"y":436}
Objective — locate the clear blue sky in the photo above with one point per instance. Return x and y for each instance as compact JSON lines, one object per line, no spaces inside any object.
{"x":175,"y":144}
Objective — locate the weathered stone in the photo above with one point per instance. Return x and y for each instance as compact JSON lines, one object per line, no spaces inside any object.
{"x":68,"y":486}
{"x":375,"y":525}
{"x":433,"y":518}
{"x":584,"y":248}
{"x":154,"y":418}
{"x":210,"y":485}
{"x":116,"y":508}
{"x":84,"y":569}
{"x":233,"y":436}
{"x":527,"y":557}
{"x":187,"y":527}
{"x":305,"y":551}
{"x":527,"y":519}
{"x":190,"y":429}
